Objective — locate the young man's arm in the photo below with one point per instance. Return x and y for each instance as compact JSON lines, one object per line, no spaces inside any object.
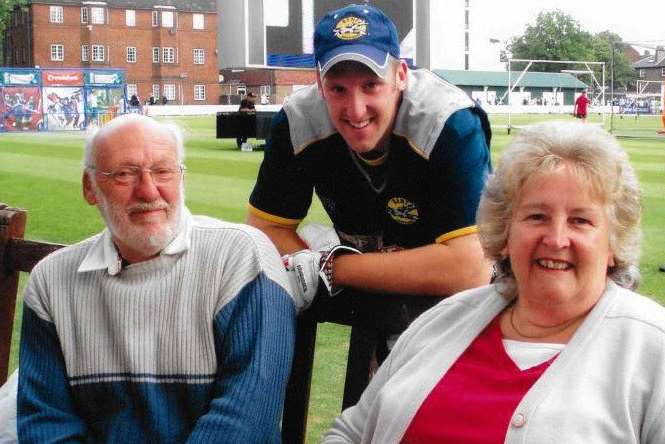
{"x":283,"y":236}
{"x":436,"y":269}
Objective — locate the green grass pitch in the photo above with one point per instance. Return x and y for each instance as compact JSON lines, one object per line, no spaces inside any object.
{"x":42,"y":173}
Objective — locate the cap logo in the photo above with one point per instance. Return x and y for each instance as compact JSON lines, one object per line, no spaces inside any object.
{"x":350,"y":28}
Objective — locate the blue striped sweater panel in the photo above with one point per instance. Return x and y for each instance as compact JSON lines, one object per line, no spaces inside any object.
{"x":194,"y":347}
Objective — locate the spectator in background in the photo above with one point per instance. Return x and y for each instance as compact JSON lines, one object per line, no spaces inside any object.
{"x":580,"y":108}
{"x":246,"y":106}
{"x":164,"y":100}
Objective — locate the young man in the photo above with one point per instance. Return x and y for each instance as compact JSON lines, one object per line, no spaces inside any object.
{"x":580,"y":108}
{"x":165,"y":327}
{"x":398,"y":158}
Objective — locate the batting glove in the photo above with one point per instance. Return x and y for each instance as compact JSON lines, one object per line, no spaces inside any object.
{"x":303,"y":269}
{"x":308,"y":269}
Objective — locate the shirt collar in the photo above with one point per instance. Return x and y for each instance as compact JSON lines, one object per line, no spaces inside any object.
{"x":104,"y":255}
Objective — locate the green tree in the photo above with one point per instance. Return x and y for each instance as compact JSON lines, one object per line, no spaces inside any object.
{"x":601,"y":50}
{"x":554,"y":36}
{"x":6,"y":8}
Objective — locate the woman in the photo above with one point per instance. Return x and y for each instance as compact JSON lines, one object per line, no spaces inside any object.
{"x":558,"y":349}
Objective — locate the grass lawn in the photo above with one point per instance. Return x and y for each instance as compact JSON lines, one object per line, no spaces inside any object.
{"x":42,"y":173}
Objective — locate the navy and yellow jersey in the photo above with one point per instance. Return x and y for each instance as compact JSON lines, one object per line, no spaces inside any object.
{"x":425,"y":190}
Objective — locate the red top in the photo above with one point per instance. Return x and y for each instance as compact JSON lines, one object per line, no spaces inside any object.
{"x":474,"y":401}
{"x":581,"y":104}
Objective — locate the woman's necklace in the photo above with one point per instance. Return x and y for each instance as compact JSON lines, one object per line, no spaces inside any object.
{"x":554,"y":330}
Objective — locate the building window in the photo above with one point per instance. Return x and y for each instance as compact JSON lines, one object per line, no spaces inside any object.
{"x":57,"y":53}
{"x":55,"y":14}
{"x":97,"y":53}
{"x":662,"y":72}
{"x":155,"y":90}
{"x":169,"y":91}
{"x":198,"y":21}
{"x":84,"y":14}
{"x":199,"y":92}
{"x":96,"y":15}
{"x":167,"y":19}
{"x":155,"y":55}
{"x":131,"y":54}
{"x":130,"y":17}
{"x":85,"y":53}
{"x":199,"y":56}
{"x":132,"y":90}
{"x":155,"y":18}
{"x":168,"y":55}
{"x":642,"y":73}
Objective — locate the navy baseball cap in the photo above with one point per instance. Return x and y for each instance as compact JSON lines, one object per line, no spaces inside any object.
{"x":360,"y":33}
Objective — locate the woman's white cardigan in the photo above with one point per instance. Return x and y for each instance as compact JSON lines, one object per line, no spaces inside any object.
{"x":607,"y":386}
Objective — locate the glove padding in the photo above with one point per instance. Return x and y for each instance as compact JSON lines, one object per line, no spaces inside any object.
{"x":304,"y":271}
{"x":319,"y":237}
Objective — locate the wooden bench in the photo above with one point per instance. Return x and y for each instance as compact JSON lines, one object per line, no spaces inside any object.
{"x":18,"y":254}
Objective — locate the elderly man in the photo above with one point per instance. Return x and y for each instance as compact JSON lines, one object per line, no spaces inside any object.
{"x":165,"y":327}
{"x":398,"y":158}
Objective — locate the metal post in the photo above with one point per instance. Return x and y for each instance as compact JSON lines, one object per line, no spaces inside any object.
{"x":612,"y":87}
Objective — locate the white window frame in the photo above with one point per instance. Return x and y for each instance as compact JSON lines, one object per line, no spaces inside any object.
{"x":155,"y":54}
{"x":662,"y":72}
{"x":642,"y":73}
{"x":155,"y":91}
{"x":131,"y":54}
{"x":85,"y":53}
{"x":131,"y":90}
{"x":57,"y":52}
{"x":130,"y":17}
{"x":85,"y":14}
{"x":96,"y":52}
{"x":199,"y":92}
{"x":168,"y":54}
{"x":155,"y":19}
{"x":56,"y":14}
{"x":169,"y":91}
{"x":97,"y":15}
{"x":198,"y":21}
{"x":199,"y":56}
{"x":168,"y":19}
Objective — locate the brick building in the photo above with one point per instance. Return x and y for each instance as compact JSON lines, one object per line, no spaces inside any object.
{"x":168,"y":47}
{"x":271,"y":85}
{"x":651,"y":70}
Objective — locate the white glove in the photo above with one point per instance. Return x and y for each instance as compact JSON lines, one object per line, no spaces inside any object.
{"x":319,"y":237}
{"x":303,"y":270}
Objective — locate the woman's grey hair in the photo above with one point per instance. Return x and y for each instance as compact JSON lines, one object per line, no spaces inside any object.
{"x":591,"y":154}
{"x":119,"y":123}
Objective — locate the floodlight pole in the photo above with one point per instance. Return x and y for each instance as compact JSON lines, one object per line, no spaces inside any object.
{"x":612,"y":86}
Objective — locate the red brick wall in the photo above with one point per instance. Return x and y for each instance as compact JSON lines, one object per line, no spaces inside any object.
{"x":115,"y":36}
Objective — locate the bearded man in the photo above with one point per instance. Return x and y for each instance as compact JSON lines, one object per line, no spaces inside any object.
{"x":165,"y":327}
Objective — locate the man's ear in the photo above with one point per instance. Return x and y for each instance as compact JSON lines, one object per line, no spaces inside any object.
{"x":318,"y":82}
{"x":88,"y":189}
{"x":400,"y":76}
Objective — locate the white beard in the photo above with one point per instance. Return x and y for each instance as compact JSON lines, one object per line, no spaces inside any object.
{"x":148,"y":241}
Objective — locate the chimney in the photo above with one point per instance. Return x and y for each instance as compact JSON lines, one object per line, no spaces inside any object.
{"x":660,"y":53}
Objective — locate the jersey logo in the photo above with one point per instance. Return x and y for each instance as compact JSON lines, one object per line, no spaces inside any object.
{"x":402,"y":211}
{"x":350,"y":28}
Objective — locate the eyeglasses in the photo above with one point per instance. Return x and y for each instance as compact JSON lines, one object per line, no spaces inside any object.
{"x":131,"y":175}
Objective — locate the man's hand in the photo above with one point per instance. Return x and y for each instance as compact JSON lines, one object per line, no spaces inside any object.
{"x":303,"y":270}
